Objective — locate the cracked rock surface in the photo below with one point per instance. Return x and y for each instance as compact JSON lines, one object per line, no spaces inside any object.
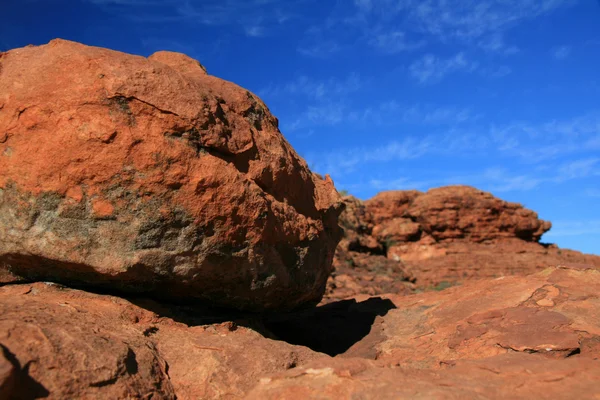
{"x":517,"y":337}
{"x":149,"y":175}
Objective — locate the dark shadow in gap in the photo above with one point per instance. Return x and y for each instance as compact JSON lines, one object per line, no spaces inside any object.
{"x":331,"y":329}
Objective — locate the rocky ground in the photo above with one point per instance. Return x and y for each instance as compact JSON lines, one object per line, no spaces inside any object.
{"x":159,"y":239}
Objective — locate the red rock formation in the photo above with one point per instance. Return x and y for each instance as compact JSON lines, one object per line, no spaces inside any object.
{"x":70,"y":344}
{"x":453,"y":212}
{"x":149,"y":175}
{"x":440,"y":238}
{"x":360,"y":264}
{"x":516,"y":337}
{"x":534,"y":336}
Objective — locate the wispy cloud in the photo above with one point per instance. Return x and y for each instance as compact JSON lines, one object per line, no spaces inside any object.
{"x":394,"y":42}
{"x":253,"y":18}
{"x":541,"y":142}
{"x":561,"y":52}
{"x":431,"y":69}
{"x":316,"y":89}
{"x":464,"y":19}
{"x":391,"y":113}
{"x":255,"y":31}
{"x":574,"y":228}
{"x":495,"y":43}
{"x":530,"y":170}
{"x":321,"y":49}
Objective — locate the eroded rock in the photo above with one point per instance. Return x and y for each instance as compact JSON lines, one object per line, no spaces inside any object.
{"x":437,"y":239}
{"x":71,"y":344}
{"x":517,"y":337}
{"x":149,"y":175}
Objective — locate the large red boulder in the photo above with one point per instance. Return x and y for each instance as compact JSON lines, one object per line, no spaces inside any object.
{"x":149,"y":175}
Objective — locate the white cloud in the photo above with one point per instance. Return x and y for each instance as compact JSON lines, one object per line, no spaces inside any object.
{"x":316,"y":89}
{"x":468,"y":19}
{"x":578,"y":169}
{"x":495,"y":43}
{"x":394,"y":42}
{"x":431,"y":69}
{"x":592,"y":192}
{"x":255,"y":31}
{"x":561,"y":52}
{"x":482,"y":23}
{"x":320,"y":50}
{"x":390,"y":113}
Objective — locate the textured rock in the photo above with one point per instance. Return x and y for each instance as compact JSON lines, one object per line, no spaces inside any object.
{"x":149,"y":175}
{"x":72,"y":344}
{"x":360,"y":265}
{"x":438,"y":239}
{"x":503,"y":377}
{"x":454,"y":212}
{"x":553,"y":313}
{"x":516,"y":337}
{"x":461,"y":261}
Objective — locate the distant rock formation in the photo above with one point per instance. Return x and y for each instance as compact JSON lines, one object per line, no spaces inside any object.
{"x":148,"y":175}
{"x":442,"y":237}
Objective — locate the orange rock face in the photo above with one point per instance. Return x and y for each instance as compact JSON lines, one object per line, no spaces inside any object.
{"x":360,"y":264}
{"x":443,"y":237}
{"x":70,"y":344}
{"x":149,"y":175}
{"x":517,"y":337}
{"x":453,"y":212}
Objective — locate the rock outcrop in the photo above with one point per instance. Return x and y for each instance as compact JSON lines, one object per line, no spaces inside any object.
{"x":526,"y":337}
{"x":516,"y":337}
{"x":70,"y":344}
{"x":149,"y":175}
{"x":438,"y":239}
{"x":360,"y":262}
{"x":452,"y":213}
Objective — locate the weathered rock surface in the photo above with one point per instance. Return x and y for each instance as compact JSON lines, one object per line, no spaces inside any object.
{"x":453,"y":212}
{"x":69,"y":344}
{"x":360,"y":264}
{"x":515,"y":337}
{"x":437,"y":239}
{"x":149,"y":175}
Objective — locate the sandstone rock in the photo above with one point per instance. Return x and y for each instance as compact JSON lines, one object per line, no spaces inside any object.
{"x":360,"y":265}
{"x":149,"y":175}
{"x":72,"y":344}
{"x":438,"y":239}
{"x":516,"y":337}
{"x":460,"y":261}
{"x":552,"y":313}
{"x":513,"y":376}
{"x":391,"y":204}
{"x":457,"y":212}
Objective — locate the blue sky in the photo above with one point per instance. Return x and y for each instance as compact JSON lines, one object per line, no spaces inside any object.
{"x":503,"y":95}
